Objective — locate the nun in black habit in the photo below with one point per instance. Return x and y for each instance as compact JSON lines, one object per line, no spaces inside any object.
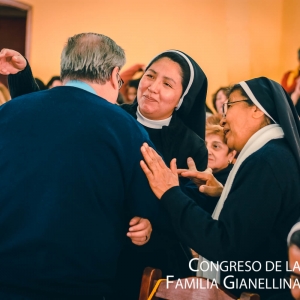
{"x":170,"y":105}
{"x":260,"y":201}
{"x":180,"y":132}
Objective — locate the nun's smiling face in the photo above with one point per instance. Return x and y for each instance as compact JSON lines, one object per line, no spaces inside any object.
{"x":160,"y":89}
{"x":239,"y":124}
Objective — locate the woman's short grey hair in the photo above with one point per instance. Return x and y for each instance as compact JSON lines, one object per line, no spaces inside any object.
{"x":90,"y":56}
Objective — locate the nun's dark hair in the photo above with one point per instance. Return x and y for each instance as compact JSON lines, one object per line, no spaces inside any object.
{"x":185,"y":69}
{"x":295,"y":239}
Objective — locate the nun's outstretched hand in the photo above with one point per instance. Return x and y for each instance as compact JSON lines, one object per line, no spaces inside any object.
{"x":205,"y":181}
{"x":191,"y":172}
{"x":160,"y":177}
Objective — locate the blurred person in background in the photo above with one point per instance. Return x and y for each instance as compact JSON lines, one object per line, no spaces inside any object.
{"x":219,"y":97}
{"x":131,"y":77}
{"x":54,"y":82}
{"x":291,"y":83}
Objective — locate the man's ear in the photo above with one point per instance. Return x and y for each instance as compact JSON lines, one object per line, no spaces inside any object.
{"x":114,"y":78}
{"x":257,"y":113}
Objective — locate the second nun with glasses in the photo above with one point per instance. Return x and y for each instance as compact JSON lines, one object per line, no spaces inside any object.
{"x":260,"y":201}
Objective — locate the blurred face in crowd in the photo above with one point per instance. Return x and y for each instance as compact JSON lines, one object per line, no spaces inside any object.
{"x":220,"y":99}
{"x":55,"y":83}
{"x":294,"y":262}
{"x":219,"y":155}
{"x":131,"y":94}
{"x":160,"y":89}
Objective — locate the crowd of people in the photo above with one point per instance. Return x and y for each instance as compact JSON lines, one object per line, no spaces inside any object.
{"x":108,"y":172}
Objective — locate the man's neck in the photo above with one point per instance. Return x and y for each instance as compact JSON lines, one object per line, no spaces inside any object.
{"x":104,"y":91}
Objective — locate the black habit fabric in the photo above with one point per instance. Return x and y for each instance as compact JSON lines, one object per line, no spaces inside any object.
{"x":176,"y":141}
{"x":275,"y":100}
{"x":206,"y":202}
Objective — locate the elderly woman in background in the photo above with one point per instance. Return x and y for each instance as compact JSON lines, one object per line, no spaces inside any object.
{"x":261,"y":198}
{"x":220,"y":157}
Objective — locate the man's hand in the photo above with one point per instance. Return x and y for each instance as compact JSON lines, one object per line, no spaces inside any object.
{"x":160,"y":177}
{"x":11,"y":62}
{"x":139,"y":231}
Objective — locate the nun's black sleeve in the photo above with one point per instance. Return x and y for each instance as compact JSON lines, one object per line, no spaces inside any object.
{"x":22,"y":83}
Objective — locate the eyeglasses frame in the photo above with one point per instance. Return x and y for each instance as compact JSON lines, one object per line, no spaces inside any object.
{"x":120,"y":81}
{"x":231,"y":103}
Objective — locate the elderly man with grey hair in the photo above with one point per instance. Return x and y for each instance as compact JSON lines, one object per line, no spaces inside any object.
{"x":71,"y":179}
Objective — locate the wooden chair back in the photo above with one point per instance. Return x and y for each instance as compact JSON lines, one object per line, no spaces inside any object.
{"x":192,"y":288}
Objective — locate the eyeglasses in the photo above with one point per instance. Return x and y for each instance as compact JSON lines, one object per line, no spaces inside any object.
{"x":120,"y":80}
{"x":228,"y":104}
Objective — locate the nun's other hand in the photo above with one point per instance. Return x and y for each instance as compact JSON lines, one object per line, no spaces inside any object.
{"x":192,"y":173}
{"x":191,"y":166}
{"x":11,"y":62}
{"x":139,"y":231}
{"x":206,"y":182}
{"x":160,"y":177}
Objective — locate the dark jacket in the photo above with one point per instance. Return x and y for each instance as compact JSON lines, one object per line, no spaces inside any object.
{"x":69,"y":172}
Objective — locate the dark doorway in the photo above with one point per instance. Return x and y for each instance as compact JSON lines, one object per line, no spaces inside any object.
{"x":14,"y":33}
